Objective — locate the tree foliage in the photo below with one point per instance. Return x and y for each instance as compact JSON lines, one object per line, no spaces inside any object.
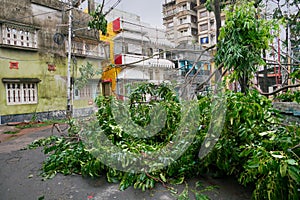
{"x":241,"y":41}
{"x":87,"y":72}
{"x":255,"y":146}
{"x":98,"y":21}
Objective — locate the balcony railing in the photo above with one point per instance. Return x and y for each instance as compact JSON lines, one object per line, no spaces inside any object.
{"x":87,"y":49}
{"x":143,"y":61}
{"x":19,"y":36}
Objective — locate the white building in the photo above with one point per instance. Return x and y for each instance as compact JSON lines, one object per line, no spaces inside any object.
{"x":141,"y":51}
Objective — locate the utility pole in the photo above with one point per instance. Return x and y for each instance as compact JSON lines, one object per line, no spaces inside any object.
{"x":69,"y":87}
{"x":289,"y":44}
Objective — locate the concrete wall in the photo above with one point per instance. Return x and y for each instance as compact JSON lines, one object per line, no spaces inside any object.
{"x":42,"y":16}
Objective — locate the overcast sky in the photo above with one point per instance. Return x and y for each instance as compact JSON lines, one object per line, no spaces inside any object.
{"x":150,"y":11}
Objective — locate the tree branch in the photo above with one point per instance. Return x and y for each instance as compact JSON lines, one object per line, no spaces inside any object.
{"x":277,"y":90}
{"x":195,"y":63}
{"x":210,"y":76}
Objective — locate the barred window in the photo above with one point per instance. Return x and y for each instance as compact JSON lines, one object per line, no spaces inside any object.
{"x":21,"y":93}
{"x":203,"y":27}
{"x":90,"y":91}
{"x":86,"y":92}
{"x":19,"y":36}
{"x":21,"y":90}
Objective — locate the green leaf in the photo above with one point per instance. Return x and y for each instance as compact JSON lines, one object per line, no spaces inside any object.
{"x":163,"y":178}
{"x":200,"y":196}
{"x":41,"y":198}
{"x":291,"y":162}
{"x":266,"y":133}
{"x":294,"y":173}
{"x":185,"y":194}
{"x":282,"y":169}
{"x":177,"y":181}
{"x":253,"y":164}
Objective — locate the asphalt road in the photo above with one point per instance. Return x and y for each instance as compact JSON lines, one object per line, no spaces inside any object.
{"x":21,"y":180}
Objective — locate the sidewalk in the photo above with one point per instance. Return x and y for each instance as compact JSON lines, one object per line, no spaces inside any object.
{"x":13,"y":138}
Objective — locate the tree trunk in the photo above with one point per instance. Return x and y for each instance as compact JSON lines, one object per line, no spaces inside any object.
{"x":244,"y":83}
{"x":217,"y":12}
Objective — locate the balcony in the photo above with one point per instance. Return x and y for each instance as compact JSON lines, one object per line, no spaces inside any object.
{"x":169,"y":2}
{"x":183,"y":26}
{"x":183,"y":1}
{"x":85,"y":49}
{"x":142,"y":61}
{"x":185,"y":38}
{"x":19,"y":36}
{"x":184,"y":12}
{"x":169,"y":13}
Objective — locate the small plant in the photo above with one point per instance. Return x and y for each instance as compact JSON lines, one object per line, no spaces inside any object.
{"x":11,"y":132}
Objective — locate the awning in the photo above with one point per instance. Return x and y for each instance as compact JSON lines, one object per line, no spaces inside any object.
{"x":132,"y":74}
{"x":109,"y":80}
{"x":21,"y":80}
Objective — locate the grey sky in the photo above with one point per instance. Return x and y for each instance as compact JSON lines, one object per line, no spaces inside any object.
{"x":150,"y":11}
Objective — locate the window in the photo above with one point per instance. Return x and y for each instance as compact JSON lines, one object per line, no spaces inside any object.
{"x":89,"y":91}
{"x":106,"y":88}
{"x":194,"y":19}
{"x":204,"y":40}
{"x":203,"y":27}
{"x":18,"y":92}
{"x":19,"y":36}
{"x":182,"y":20}
{"x":151,"y":74}
{"x":194,"y":31}
{"x":203,"y":14}
{"x":184,"y":32}
{"x":85,"y":92}
{"x":171,"y":24}
{"x":86,"y":48}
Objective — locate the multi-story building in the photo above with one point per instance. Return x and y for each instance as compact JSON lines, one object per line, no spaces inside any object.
{"x":139,"y":53}
{"x":180,"y":20}
{"x":34,"y":60}
{"x":207,"y":25}
{"x":183,"y":24}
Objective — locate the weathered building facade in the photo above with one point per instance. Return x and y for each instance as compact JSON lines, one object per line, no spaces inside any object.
{"x":34,"y":60}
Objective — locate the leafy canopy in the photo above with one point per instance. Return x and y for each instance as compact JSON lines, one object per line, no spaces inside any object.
{"x":98,"y":21}
{"x":242,"y":40}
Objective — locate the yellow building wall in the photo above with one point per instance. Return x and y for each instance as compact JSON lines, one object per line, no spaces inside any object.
{"x":110,"y":71}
